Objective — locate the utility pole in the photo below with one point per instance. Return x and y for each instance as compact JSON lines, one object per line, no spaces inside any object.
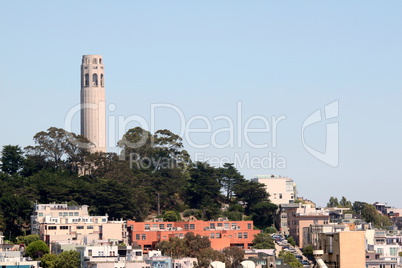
{"x":159,"y":205}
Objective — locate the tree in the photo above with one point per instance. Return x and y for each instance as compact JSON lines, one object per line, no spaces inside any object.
{"x":67,"y":259}
{"x":270,"y":230}
{"x":263,"y":214}
{"x":290,"y":259}
{"x":233,"y":256}
{"x":47,"y":261}
{"x":27,"y":239}
{"x":60,"y":148}
{"x":371,"y":214}
{"x":37,"y":249}
{"x":171,"y":216}
{"x":333,"y":202}
{"x":358,"y":206}
{"x":344,"y":203}
{"x":229,"y":178}
{"x":263,"y":241}
{"x":308,"y":251}
{"x":12,"y":159}
{"x":291,"y":241}
{"x":196,"y":243}
{"x":208,"y":255}
{"x":203,"y":190}
{"x":16,"y":212}
{"x":251,"y":193}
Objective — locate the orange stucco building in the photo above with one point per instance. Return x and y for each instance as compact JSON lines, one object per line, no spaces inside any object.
{"x":222,"y":234}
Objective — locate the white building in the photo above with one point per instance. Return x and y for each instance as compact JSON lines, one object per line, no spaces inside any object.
{"x":63,"y":224}
{"x":282,"y":190}
{"x":11,"y":257}
{"x":110,"y":256}
{"x":93,"y":101}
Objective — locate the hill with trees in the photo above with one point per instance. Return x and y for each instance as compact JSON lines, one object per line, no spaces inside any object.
{"x":153,"y":173}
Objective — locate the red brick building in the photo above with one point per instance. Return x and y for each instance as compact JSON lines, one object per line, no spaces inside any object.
{"x":221,"y":233}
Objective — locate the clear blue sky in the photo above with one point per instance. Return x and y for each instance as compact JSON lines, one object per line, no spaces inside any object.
{"x":276,"y":58}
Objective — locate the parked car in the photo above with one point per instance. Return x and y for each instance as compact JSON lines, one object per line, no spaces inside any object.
{"x":305,"y":263}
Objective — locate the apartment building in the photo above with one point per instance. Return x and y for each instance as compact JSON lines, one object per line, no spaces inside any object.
{"x":222,"y":234}
{"x":282,"y":190}
{"x":302,"y":217}
{"x":73,"y":225}
{"x":343,"y":249}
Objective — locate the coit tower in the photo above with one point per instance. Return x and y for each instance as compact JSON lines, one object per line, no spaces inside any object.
{"x":93,"y":102}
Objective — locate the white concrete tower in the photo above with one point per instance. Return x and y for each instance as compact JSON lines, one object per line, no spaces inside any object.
{"x":93,"y":101}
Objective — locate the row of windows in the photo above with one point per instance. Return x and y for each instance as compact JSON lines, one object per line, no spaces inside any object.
{"x":95,"y":81}
{"x":65,"y":214}
{"x":140,"y":237}
{"x":94,"y":61}
{"x":66,"y":227}
{"x":155,"y":226}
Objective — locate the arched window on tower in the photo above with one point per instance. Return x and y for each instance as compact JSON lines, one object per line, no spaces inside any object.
{"x":101,"y":80}
{"x":95,"y":80}
{"x":86,"y":61}
{"x":86,"y":80}
{"x":94,"y":61}
{"x":100,"y":61}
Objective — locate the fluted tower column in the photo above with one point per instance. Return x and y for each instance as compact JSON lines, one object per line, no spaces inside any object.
{"x":93,"y":101}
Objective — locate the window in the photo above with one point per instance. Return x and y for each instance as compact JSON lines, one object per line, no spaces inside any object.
{"x":90,"y":227}
{"x":226,"y":225}
{"x":240,"y":235}
{"x":71,"y":214}
{"x":100,"y":253}
{"x":104,"y":220}
{"x":192,"y":226}
{"x":280,"y":196}
{"x":100,"y":61}
{"x":143,"y":237}
{"x":60,"y":214}
{"x":169,"y":225}
{"x":80,"y":227}
{"x":52,"y":227}
{"x":75,"y":213}
{"x":234,"y":225}
{"x":137,"y":236}
{"x":245,"y":235}
{"x":147,"y":226}
{"x":249,"y":226}
{"x":185,"y":226}
{"x":393,"y":251}
{"x":90,"y":252}
{"x":86,"y":80}
{"x":161,"y":226}
{"x":220,"y":224}
{"x":101,"y":78}
{"x":40,"y":214}
{"x":155,"y":226}
{"x":211,"y":235}
{"x":65,"y":214}
{"x":380,"y":250}
{"x":181,"y":235}
{"x":212,"y":225}
{"x":218,"y":235}
{"x":95,"y":80}
{"x":94,"y":61}
{"x":63,"y":227}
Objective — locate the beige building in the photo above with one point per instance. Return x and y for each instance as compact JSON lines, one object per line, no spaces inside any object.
{"x":302,"y":217}
{"x":281,"y":190}
{"x":93,"y":101}
{"x":63,"y":224}
{"x":343,"y":249}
